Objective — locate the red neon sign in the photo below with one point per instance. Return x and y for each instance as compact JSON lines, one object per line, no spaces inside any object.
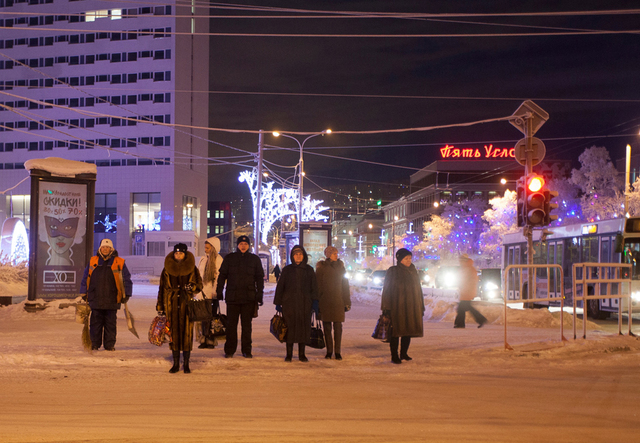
{"x":477,"y":153}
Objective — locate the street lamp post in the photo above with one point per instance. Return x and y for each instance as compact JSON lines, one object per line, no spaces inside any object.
{"x":301,"y":163}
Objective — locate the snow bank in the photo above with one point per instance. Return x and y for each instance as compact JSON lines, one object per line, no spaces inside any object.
{"x":61,"y":167}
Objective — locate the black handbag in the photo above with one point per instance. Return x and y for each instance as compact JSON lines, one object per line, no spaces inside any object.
{"x":278,"y":327}
{"x":382,"y":330}
{"x":316,"y":340}
{"x":218,"y":325}
{"x":199,"y":310}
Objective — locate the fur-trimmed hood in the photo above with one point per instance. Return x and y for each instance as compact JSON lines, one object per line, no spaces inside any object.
{"x":327,"y":262}
{"x":178,"y":268}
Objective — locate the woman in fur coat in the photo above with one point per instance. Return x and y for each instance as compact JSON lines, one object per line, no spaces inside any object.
{"x":403,"y":301}
{"x":335,"y":299}
{"x":209,"y":267}
{"x":296,"y":295}
{"x":179,"y":281}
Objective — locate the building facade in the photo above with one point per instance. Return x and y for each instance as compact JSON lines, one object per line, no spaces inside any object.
{"x":443,"y":182}
{"x":119,"y":85}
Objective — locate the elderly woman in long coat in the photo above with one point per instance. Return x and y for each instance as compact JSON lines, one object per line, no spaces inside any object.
{"x":296,"y":296}
{"x":403,"y":301}
{"x":335,"y":299}
{"x":179,"y":281}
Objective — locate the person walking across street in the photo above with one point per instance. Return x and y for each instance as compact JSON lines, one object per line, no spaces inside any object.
{"x":296,"y":295}
{"x":468,"y":291}
{"x":276,"y":271}
{"x":106,"y":284}
{"x":243,"y":275}
{"x":403,"y":302}
{"x":179,"y":281}
{"x":209,"y":267}
{"x":335,"y":299}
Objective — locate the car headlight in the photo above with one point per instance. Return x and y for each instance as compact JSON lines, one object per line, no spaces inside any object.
{"x":377,"y":281}
{"x":449,"y":280}
{"x":347,"y":275}
{"x":491,"y":286}
{"x":427,"y":278}
{"x":359,"y":277}
{"x":635,"y":296}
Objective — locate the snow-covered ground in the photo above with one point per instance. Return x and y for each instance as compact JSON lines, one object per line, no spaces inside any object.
{"x":461,"y":386}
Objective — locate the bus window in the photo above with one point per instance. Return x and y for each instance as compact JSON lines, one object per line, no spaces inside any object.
{"x":605,"y":250}
{"x":590,"y":253}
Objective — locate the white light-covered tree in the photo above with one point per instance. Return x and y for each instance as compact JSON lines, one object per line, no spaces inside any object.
{"x":436,"y":237}
{"x":276,"y":203}
{"x":500,"y":219}
{"x":467,"y":226}
{"x":601,"y":187}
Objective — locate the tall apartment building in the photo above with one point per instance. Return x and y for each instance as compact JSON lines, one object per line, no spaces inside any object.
{"x":119,"y":84}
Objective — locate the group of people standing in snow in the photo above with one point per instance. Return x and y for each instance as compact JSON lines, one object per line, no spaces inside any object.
{"x":300,"y":291}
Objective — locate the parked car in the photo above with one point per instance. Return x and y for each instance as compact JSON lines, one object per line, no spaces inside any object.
{"x":425,"y":279}
{"x":490,"y":284}
{"x":376,"y":280}
{"x":359,"y":277}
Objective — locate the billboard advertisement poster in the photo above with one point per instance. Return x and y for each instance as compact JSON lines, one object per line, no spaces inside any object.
{"x":61,"y":239}
{"x":315,"y":242}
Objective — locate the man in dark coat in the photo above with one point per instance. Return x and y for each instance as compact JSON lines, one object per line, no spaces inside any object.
{"x":243,"y":274}
{"x":296,"y":295}
{"x":105,"y":284}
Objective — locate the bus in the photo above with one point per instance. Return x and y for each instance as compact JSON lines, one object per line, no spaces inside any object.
{"x":607,"y":241}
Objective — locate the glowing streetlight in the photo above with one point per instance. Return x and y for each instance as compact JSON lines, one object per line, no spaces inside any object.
{"x":301,"y":162}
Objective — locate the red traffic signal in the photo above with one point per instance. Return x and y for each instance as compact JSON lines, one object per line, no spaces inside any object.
{"x":534,"y":213}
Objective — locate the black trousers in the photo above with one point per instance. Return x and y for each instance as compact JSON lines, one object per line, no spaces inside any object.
{"x":103,"y":328}
{"x":206,"y":325}
{"x":463,"y":307}
{"x":244,"y":313}
{"x":329,"y":339}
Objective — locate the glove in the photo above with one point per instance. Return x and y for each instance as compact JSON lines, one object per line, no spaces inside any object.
{"x":259,"y":298}
{"x":316,"y":306}
{"x":347,"y":308}
{"x":279,"y":308}
{"x":161,"y":313}
{"x":126,"y":299}
{"x":387,"y":313}
{"x":84,"y":297}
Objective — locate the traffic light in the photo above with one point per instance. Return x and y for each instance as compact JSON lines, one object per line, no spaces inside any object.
{"x":534,"y":213}
{"x":521,"y":197}
{"x":548,"y":206}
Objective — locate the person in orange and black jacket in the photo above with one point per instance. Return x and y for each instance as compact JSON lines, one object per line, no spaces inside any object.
{"x":106,"y":284}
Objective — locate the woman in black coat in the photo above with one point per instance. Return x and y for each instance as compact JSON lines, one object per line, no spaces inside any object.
{"x":180,"y":279}
{"x":296,"y":295}
{"x":403,"y":301}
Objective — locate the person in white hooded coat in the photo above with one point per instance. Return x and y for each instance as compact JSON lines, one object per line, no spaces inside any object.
{"x":209,"y":267}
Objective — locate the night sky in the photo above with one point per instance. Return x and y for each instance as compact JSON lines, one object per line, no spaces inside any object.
{"x":589,"y":84}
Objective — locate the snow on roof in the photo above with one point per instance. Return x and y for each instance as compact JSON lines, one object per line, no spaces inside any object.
{"x":61,"y":167}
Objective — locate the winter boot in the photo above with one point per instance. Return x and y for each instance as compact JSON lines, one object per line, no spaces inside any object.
{"x":185,"y":356}
{"x":176,"y":362}
{"x":289,"y":352}
{"x":301,"y":356}
{"x":404,"y":347}
{"x":393,"y":345}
